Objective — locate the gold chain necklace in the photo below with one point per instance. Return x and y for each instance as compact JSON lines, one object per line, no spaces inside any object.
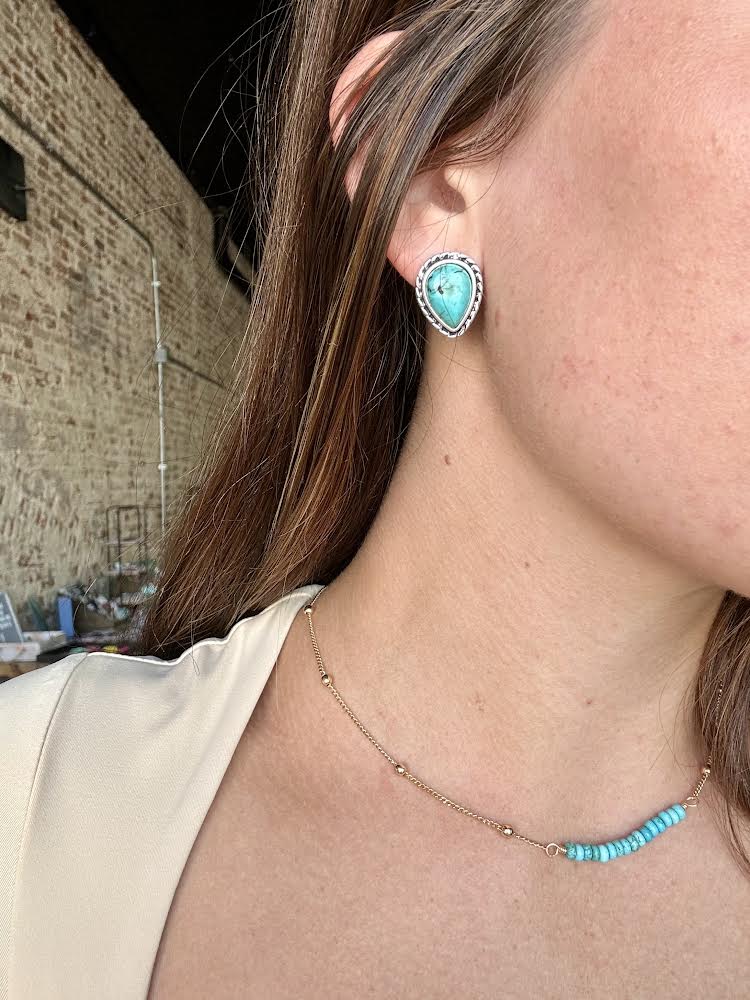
{"x":573,"y":850}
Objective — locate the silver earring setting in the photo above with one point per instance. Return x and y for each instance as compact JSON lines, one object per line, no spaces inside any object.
{"x":449,"y":291}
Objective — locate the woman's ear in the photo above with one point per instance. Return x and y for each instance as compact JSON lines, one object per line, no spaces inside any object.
{"x":433,"y":215}
{"x":350,"y":86}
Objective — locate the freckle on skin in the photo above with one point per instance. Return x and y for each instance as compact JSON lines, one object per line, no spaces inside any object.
{"x":728,"y":528}
{"x":589,"y":701}
{"x":575,"y":368}
{"x":570,"y":369}
{"x":527,"y":563}
{"x":447,"y":459}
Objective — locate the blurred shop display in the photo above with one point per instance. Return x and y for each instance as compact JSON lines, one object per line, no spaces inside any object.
{"x":100,"y":614}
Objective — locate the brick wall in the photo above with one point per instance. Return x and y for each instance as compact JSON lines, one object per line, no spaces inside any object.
{"x":79,"y":426}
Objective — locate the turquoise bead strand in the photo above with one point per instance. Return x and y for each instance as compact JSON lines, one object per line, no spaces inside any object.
{"x":631,"y":843}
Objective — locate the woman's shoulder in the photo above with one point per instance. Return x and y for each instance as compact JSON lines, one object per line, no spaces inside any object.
{"x":114,"y":760}
{"x":82,"y":687}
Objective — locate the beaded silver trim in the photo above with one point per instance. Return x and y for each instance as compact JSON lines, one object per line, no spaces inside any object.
{"x":477,"y":288}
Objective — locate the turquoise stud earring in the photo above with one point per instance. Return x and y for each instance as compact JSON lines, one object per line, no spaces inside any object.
{"x":449,"y":291}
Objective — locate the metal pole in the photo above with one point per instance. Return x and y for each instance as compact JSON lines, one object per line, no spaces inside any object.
{"x":160,"y":357}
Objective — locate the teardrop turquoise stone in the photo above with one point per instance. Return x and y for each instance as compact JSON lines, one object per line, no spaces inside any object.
{"x":448,"y":293}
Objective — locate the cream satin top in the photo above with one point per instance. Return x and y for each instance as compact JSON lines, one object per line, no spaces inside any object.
{"x":108,"y":767}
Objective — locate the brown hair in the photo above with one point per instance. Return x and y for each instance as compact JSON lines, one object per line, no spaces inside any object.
{"x":328,"y":372}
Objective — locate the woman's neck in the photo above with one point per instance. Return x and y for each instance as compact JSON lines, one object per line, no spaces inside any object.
{"x":514,"y":647}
